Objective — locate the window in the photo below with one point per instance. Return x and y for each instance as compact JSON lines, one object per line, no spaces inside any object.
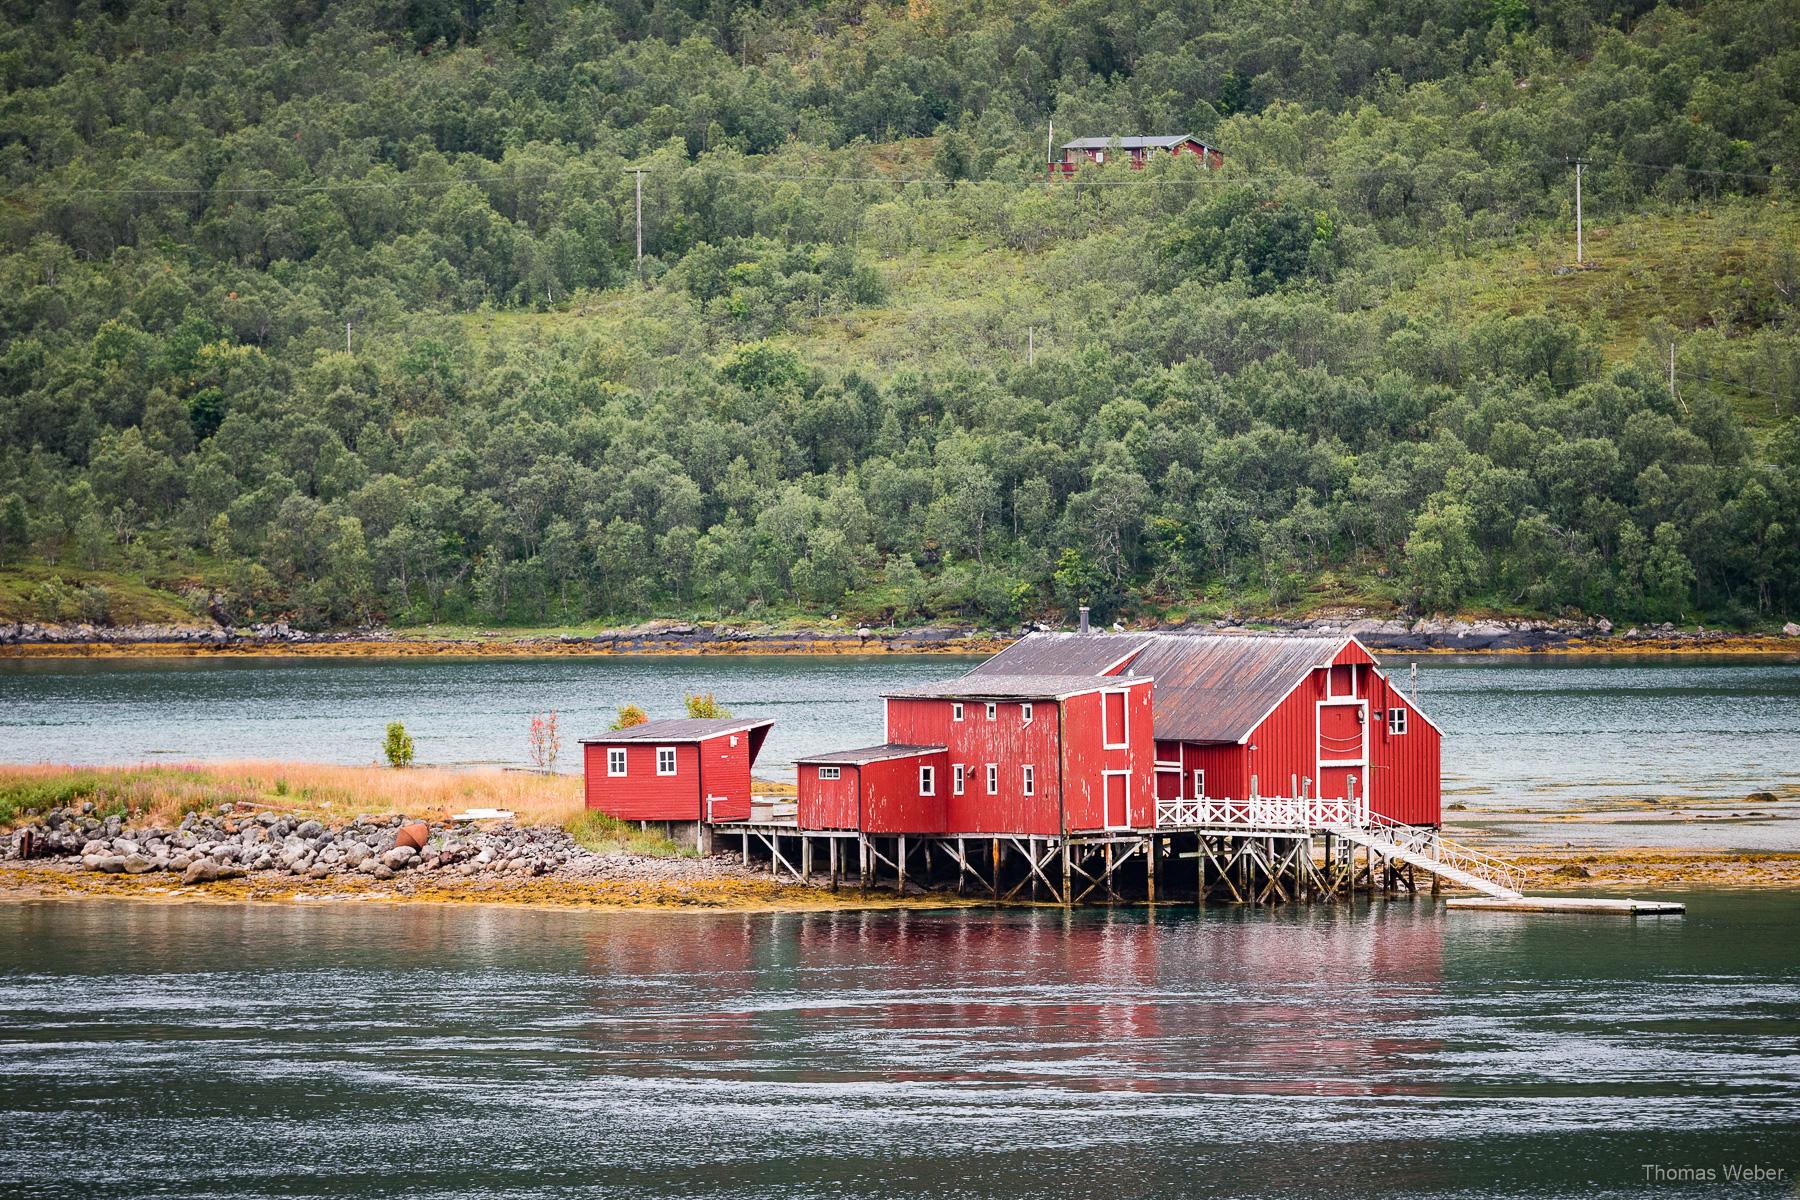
{"x":1396,"y":720}
{"x":956,"y":712}
{"x":1028,"y":779}
{"x":993,"y":779}
{"x":1025,"y":713}
{"x":959,"y":775}
{"x":615,"y":761}
{"x":665,"y":760}
{"x":1114,"y":727}
{"x":927,"y":781}
{"x":830,"y":772}
{"x":1199,"y":785}
{"x":993,"y":710}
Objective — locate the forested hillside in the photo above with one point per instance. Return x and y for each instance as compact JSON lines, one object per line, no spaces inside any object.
{"x":331,"y":311}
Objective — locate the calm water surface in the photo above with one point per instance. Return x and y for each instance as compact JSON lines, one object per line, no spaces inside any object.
{"x":419,"y":1051}
{"x":1539,"y":731}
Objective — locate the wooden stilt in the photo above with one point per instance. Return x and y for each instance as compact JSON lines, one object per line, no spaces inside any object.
{"x":994,"y":863}
{"x":1150,"y":872}
{"x":806,"y":853}
{"x":900,"y":867}
{"x":832,"y":852}
{"x":1067,"y":890}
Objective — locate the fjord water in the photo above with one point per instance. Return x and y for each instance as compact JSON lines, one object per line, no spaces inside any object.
{"x":343,"y":1050}
{"x":1533,"y":732}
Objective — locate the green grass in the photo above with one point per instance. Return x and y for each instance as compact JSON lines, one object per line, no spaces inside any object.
{"x":26,"y":591}
{"x":605,"y":834}
{"x":31,"y":793}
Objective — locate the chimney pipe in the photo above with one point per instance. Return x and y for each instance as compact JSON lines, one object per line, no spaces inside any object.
{"x":1083,"y":628}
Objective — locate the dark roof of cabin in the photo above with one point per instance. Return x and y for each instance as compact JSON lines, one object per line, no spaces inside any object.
{"x":1209,"y":687}
{"x":1009,"y":685}
{"x":869,"y":754}
{"x":679,"y":729}
{"x":1131,"y":143}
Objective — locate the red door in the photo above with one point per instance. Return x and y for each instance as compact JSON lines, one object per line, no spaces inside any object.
{"x":1343,"y":760}
{"x":1118,"y":813}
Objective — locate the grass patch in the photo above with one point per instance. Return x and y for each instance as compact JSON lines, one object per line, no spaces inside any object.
{"x":36,"y":592}
{"x":605,"y":834}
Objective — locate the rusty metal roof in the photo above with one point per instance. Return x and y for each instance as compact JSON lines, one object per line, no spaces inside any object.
{"x":1008,"y":685}
{"x":679,"y":729}
{"x":869,"y":754}
{"x":1210,"y":687}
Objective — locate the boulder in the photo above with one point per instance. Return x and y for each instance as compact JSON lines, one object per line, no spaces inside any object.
{"x":355,"y":853}
{"x":1790,"y":630}
{"x":382,"y":872}
{"x":398,"y":858}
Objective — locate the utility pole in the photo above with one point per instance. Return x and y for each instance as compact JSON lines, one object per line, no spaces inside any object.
{"x":346,"y":337}
{"x":1031,"y":345}
{"x":639,"y":172}
{"x":1579,"y":163}
{"x":1049,"y":151}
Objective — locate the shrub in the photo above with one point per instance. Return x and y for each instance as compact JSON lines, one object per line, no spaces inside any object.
{"x":399,"y":746}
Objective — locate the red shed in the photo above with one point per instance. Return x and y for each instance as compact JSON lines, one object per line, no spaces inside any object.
{"x":1315,"y":713}
{"x":1134,"y":150}
{"x":1030,"y":755}
{"x":681,"y":770}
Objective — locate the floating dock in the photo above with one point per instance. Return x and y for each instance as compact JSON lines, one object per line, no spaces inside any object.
{"x":1571,"y":904}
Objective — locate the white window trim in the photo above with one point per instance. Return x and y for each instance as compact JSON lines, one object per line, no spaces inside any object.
{"x":615,"y":755}
{"x":956,"y":712}
{"x":1125,"y":722}
{"x":1025,"y":714}
{"x":959,"y":778}
{"x":993,"y":779}
{"x":1199,"y":784}
{"x":831,"y":772}
{"x":674,"y":761}
{"x":1397,"y":722}
{"x":927,"y":781}
{"x":993,"y":711}
{"x":1028,"y":779}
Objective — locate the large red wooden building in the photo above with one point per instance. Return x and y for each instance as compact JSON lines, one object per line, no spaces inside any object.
{"x":1071,"y":733}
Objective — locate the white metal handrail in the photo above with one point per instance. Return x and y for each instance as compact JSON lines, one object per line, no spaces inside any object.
{"x":1314,"y":812}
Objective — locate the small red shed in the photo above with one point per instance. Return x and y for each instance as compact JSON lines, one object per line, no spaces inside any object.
{"x":878,"y":789}
{"x":679,"y":770}
{"x":1312,"y":714}
{"x":1136,"y":151}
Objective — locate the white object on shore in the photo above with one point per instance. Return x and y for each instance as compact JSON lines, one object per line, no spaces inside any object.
{"x":484,"y":814}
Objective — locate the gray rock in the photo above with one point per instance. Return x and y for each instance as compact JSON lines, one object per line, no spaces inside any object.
{"x":355,"y":854}
{"x":309,"y":829}
{"x":1791,"y":629}
{"x":96,"y":846}
{"x":382,"y":872}
{"x":398,"y":857}
{"x":135,"y":864}
{"x":103,"y":862}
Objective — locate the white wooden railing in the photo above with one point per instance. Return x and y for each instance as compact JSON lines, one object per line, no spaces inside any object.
{"x":1262,"y":812}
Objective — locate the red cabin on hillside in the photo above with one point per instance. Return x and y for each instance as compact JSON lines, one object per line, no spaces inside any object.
{"x":675,"y":771}
{"x":1134,"y":150}
{"x":1238,"y":715}
{"x":1025,"y":754}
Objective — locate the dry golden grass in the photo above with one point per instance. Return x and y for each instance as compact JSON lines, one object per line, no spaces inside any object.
{"x":162,"y":793}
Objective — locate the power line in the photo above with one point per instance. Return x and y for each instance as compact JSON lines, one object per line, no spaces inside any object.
{"x":1715,"y":381}
{"x":1218,"y":177}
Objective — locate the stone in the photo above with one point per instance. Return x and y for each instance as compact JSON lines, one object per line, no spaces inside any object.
{"x":382,"y":872}
{"x":355,"y":853}
{"x":103,"y":862}
{"x":1790,"y":630}
{"x":1604,"y":626}
{"x":398,"y":857}
{"x":94,"y":846}
{"x":201,"y":870}
{"x":309,"y":829}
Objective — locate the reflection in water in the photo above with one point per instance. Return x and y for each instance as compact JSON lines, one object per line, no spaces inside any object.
{"x":1328,"y":1051}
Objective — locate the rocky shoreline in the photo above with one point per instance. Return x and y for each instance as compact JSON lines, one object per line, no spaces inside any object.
{"x":1421,"y":635}
{"x":232,"y":845}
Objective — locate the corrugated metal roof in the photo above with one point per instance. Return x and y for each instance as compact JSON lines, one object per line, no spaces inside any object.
{"x":679,"y":729}
{"x":1132,"y":143}
{"x":1210,"y":687}
{"x":1007,"y":685}
{"x":869,"y":754}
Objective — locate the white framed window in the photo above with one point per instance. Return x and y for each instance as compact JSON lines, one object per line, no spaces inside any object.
{"x":956,"y":712}
{"x":959,"y":777}
{"x":993,"y":779}
{"x":993,"y":710}
{"x":615,"y":761}
{"x":665,"y":760}
{"x":1025,"y":714}
{"x":927,"y":781}
{"x":1396,"y":720}
{"x":1028,"y":779}
{"x":1199,"y":785}
{"x":1115,"y":720}
{"x":831,"y":772}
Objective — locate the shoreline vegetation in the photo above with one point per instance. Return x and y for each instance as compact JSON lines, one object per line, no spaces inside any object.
{"x":1421,"y":636}
{"x":290,"y":832}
